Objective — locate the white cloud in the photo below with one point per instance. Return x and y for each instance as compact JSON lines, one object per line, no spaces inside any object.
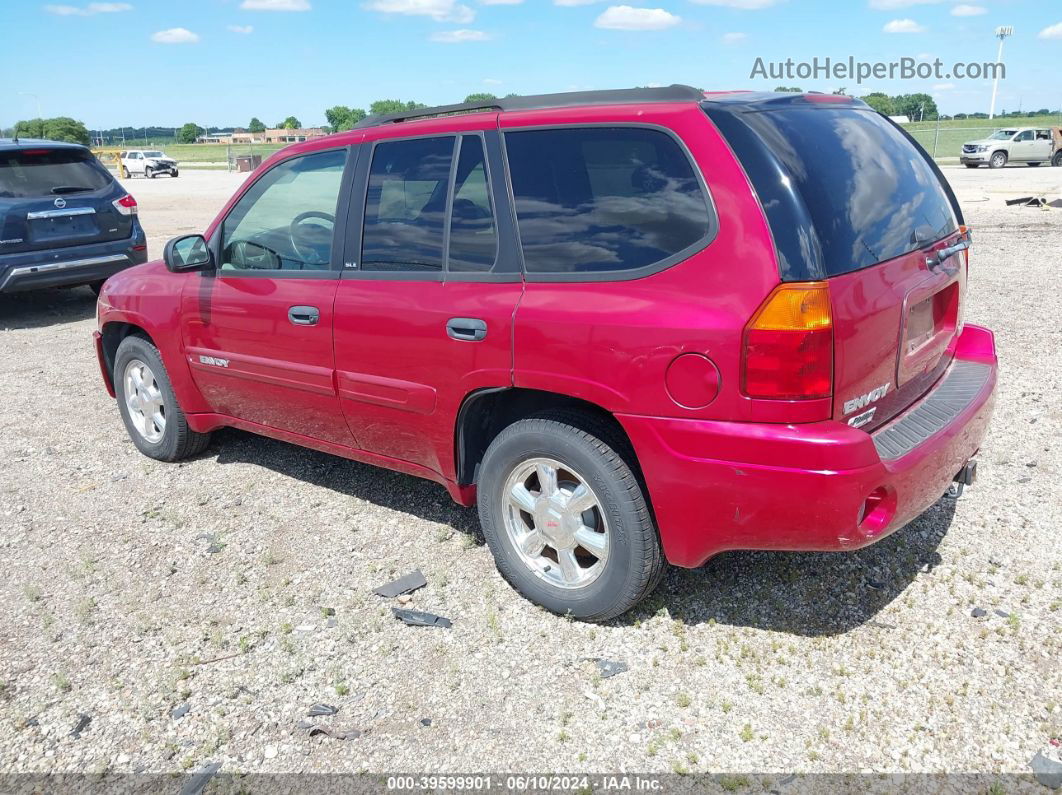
{"x":459,"y":36}
{"x":964,"y":10}
{"x":242,"y":29}
{"x":275,"y":5}
{"x":892,"y":5}
{"x":1052,"y":32}
{"x":490,"y":81}
{"x":744,"y":5}
{"x":630,"y":18}
{"x":944,"y":87}
{"x":734,"y":38}
{"x":89,"y":10}
{"x":575,"y":2}
{"x":439,"y":10}
{"x":903,"y":26}
{"x":175,"y":36}
{"x":501,"y":2}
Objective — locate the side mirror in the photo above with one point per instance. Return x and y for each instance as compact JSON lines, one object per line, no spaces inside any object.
{"x":188,"y":253}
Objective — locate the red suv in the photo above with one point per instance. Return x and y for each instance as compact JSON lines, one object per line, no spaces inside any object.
{"x":634,"y":326}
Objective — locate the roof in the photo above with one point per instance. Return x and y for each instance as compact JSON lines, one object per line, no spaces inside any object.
{"x":622,"y":96}
{"x":36,"y":143}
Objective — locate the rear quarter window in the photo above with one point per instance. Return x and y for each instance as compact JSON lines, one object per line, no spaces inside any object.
{"x":29,"y":173}
{"x":603,"y":200}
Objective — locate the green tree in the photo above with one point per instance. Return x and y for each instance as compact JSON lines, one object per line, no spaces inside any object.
{"x":290,"y":123}
{"x":382,"y":106}
{"x":789,"y":90}
{"x":880,"y":102}
{"x":189,"y":132}
{"x":340,"y":117}
{"x":61,"y":128}
{"x":483,"y":96}
{"x":915,"y":106}
{"x":256,"y":126}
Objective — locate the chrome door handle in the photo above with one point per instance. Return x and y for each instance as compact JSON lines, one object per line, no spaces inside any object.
{"x":468,"y":329}
{"x":304,"y":315}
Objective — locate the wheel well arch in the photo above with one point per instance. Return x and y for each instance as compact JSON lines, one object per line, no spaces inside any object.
{"x":487,"y":412}
{"x":113,"y":333}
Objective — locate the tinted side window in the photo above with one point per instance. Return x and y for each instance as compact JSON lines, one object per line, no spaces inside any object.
{"x":473,"y":238}
{"x":405,"y":207}
{"x":285,"y":220}
{"x":603,"y":199}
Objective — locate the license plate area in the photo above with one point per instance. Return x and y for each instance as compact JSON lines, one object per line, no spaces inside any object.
{"x":63,"y":227}
{"x":931,"y":318}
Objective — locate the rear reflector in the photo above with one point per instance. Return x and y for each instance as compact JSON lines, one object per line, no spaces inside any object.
{"x":788,"y":351}
{"x":125,"y":205}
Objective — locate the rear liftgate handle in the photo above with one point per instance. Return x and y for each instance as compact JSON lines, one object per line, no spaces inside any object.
{"x":469,"y":329}
{"x":304,"y":315}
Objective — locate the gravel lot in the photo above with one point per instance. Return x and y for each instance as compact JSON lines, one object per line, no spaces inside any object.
{"x":133,"y":588}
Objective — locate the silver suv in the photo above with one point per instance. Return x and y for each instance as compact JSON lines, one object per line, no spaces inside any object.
{"x":146,"y":163}
{"x":1032,"y":145}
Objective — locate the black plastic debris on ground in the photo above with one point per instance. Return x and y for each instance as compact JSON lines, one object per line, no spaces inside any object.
{"x":335,"y":733}
{"x":83,"y":721}
{"x":317,"y":710}
{"x":415,"y":618}
{"x":978,"y":612}
{"x":197,"y":782}
{"x":179,"y":712}
{"x":425,"y":722}
{"x":407,"y":583}
{"x":1030,"y":201}
{"x":609,"y":668}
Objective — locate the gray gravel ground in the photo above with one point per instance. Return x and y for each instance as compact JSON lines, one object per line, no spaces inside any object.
{"x":133,"y":588}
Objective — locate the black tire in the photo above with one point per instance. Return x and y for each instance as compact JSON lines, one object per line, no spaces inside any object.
{"x":123,"y":172}
{"x":96,"y":286}
{"x":971,"y":165}
{"x":1056,"y":161}
{"x":998,"y":160}
{"x":634,"y":563}
{"x":149,"y":172}
{"x":178,"y":440}
{"x":174,"y":173}
{"x":1033,"y":165}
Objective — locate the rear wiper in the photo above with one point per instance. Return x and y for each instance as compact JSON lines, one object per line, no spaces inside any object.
{"x":70,"y":189}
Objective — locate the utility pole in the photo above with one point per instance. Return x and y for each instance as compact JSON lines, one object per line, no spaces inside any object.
{"x":1001,"y":33}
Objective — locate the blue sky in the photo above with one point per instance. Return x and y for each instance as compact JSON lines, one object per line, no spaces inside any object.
{"x":220,"y":62}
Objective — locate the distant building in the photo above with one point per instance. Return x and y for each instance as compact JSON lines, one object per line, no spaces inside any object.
{"x":274,"y":136}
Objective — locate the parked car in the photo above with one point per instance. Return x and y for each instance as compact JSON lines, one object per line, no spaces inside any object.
{"x":635,"y":326}
{"x":1032,"y":145}
{"x":64,"y":220}
{"x":147,"y":163}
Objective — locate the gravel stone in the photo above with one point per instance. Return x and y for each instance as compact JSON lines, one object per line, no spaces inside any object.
{"x":758,"y":661}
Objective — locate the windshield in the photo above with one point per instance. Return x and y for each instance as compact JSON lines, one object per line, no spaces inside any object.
{"x":1002,"y":135}
{"x":28,"y":173}
{"x":154,"y":153}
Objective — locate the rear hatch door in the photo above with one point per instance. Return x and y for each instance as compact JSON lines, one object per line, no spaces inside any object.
{"x":852,"y":199}
{"x":52,"y":197}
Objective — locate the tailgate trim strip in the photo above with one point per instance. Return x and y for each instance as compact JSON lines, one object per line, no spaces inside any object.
{"x":957,"y":390}
{"x":35,"y":216}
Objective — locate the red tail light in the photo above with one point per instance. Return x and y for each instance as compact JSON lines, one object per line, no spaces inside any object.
{"x":125,"y":205}
{"x":789,"y":344}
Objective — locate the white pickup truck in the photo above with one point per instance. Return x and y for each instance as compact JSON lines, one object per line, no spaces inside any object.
{"x":147,"y":163}
{"x":1032,"y":145}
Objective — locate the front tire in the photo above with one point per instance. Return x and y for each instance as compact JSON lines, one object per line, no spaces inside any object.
{"x":999,"y":159}
{"x":971,"y":165}
{"x":566,"y":519}
{"x":149,"y":173}
{"x":148,"y":406}
{"x":174,"y":173}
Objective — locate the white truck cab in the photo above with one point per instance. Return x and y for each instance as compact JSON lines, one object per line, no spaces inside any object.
{"x":146,"y":163}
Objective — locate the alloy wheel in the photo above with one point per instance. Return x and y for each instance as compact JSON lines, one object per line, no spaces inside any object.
{"x":144,"y":400}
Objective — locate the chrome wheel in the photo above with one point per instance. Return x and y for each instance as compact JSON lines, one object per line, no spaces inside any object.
{"x":144,"y":400}
{"x":555,"y":522}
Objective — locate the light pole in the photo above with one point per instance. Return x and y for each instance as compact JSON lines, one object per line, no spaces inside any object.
{"x":1001,"y":33}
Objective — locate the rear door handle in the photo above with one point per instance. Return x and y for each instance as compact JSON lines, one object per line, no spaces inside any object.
{"x":304,"y":315}
{"x":469,"y":329}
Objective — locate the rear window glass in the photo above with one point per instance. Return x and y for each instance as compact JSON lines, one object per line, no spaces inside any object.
{"x":27,"y":173}
{"x":603,"y":198}
{"x":871,"y":194}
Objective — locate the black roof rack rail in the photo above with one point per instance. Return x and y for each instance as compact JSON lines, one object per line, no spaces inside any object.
{"x":672,"y":93}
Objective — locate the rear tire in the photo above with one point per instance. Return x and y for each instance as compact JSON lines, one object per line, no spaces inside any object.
{"x":124,"y":172}
{"x":96,"y":286}
{"x":148,"y":406}
{"x":1056,"y":161}
{"x":592,"y":563}
{"x":999,"y":159}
